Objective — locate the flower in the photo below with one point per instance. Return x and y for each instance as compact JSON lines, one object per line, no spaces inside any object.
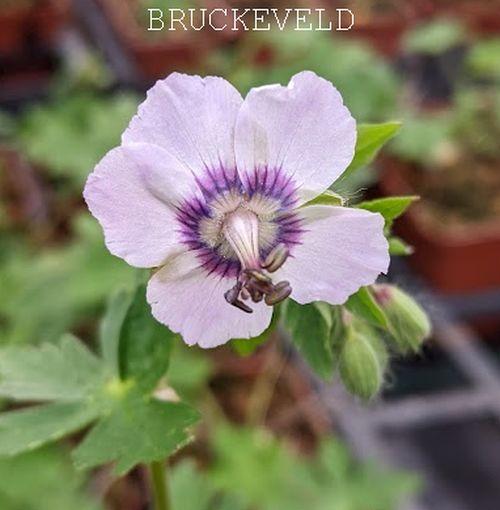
{"x":210,"y":189}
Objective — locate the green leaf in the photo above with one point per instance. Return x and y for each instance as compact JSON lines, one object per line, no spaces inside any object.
{"x":132,"y":427}
{"x":193,"y":490}
{"x":363,"y":305}
{"x":30,"y":428}
{"x":371,"y":138}
{"x":53,"y":482}
{"x":60,"y":288}
{"x":435,"y":37}
{"x":338,"y":330}
{"x":329,"y":479}
{"x":390,"y":207}
{"x":310,"y":329}
{"x":64,"y":372}
{"x":89,"y":125}
{"x":328,"y":197}
{"x":110,"y":328}
{"x":399,"y":247}
{"x":145,"y":344}
{"x":189,"y":371}
{"x":241,"y":453}
{"x":483,"y":58}
{"x":422,"y":136}
{"x":138,"y":431}
{"x":336,"y":460}
{"x":189,"y":489}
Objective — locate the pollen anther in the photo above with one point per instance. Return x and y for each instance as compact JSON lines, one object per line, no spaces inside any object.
{"x":276,"y":258}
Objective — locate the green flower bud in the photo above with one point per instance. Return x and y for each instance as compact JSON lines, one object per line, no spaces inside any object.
{"x":410,"y":325}
{"x":363,"y":359}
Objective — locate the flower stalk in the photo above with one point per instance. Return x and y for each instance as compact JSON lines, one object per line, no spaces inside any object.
{"x":159,"y":485}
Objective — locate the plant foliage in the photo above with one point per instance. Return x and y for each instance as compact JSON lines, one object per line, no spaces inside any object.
{"x":76,"y":388}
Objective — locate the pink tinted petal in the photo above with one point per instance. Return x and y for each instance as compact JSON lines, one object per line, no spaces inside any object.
{"x":341,"y":250}
{"x":191,"y":302}
{"x":304,"y":129}
{"x":192,"y":117}
{"x":132,"y":192}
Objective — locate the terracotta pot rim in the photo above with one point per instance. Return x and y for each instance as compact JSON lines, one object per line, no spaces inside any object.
{"x":125,"y":25}
{"x":467,"y":234}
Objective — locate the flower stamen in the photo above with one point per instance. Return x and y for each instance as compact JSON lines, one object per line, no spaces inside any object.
{"x":276,"y":258}
{"x":231,"y":297}
{"x":241,"y":230}
{"x":280,"y":292}
{"x":254,"y":284}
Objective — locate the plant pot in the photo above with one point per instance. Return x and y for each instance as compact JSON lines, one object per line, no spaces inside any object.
{"x":434,"y":78}
{"x":383,"y":28}
{"x":25,"y":26}
{"x":49,"y":18}
{"x":28,"y":33}
{"x":455,"y":260}
{"x":483,"y":19}
{"x":156,"y":57}
{"x":382,"y":34}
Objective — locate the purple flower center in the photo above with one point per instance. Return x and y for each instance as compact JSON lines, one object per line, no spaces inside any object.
{"x":239,"y":229}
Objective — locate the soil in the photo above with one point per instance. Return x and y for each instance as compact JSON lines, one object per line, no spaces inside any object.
{"x":464,"y":193}
{"x":287,"y":403}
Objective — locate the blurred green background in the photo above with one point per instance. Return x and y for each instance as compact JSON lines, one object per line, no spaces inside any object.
{"x":71,"y":76}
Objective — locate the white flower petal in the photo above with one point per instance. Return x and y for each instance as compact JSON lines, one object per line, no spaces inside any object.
{"x":191,"y":302}
{"x":341,"y":250}
{"x":304,"y":129}
{"x":192,"y":117}
{"x":164,"y":175}
{"x":131,"y":192}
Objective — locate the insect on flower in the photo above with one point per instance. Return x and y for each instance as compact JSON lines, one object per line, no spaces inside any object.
{"x":212,"y":190}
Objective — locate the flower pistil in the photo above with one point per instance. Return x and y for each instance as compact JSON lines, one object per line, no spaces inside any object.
{"x":241,"y":230}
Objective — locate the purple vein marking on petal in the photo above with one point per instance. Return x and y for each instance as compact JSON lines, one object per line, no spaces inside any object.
{"x":265,"y":183}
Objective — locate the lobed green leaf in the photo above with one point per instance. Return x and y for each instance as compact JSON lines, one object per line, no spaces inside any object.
{"x":390,"y":207}
{"x":371,"y":138}
{"x":53,"y":483}
{"x":67,"y":371}
{"x":138,"y":431}
{"x":132,"y":427}
{"x":32,"y":427}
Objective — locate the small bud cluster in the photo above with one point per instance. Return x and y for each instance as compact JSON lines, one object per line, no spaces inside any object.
{"x":364,"y":346}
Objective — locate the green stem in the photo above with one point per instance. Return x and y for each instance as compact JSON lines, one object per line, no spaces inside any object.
{"x":159,"y":483}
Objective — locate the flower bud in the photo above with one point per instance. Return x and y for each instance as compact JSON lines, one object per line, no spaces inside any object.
{"x":410,"y":325}
{"x":363,"y":360}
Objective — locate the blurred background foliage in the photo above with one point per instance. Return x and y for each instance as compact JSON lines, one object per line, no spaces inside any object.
{"x":63,"y":106}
